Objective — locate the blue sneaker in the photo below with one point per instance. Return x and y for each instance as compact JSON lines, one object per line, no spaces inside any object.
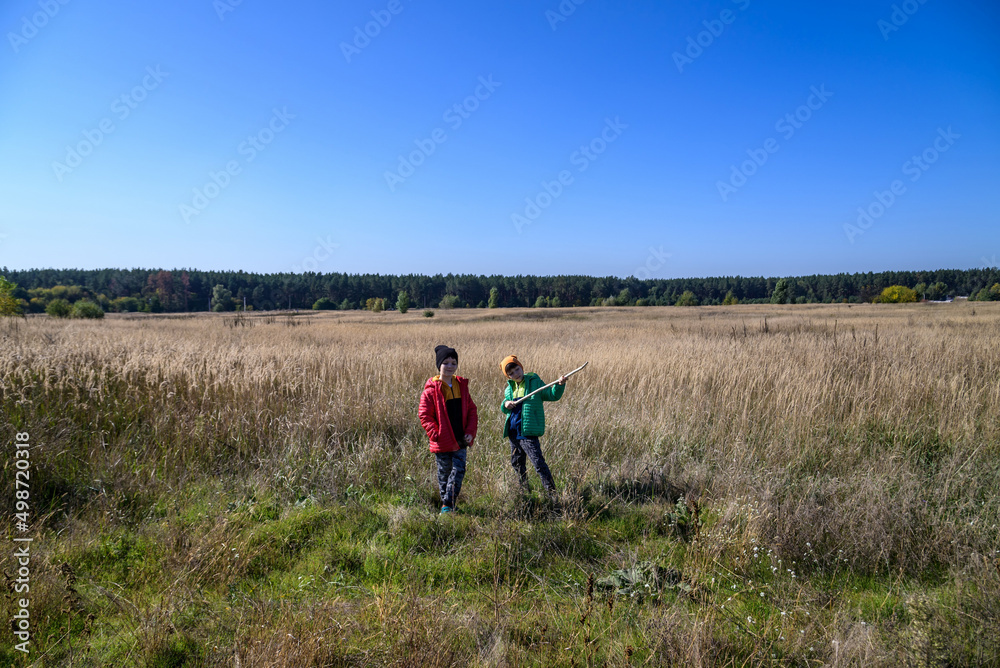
{"x":445,"y":509}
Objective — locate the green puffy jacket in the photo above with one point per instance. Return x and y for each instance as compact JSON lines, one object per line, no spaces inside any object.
{"x":532,"y":410}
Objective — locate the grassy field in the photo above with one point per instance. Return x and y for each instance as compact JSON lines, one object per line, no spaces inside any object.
{"x":738,"y":486}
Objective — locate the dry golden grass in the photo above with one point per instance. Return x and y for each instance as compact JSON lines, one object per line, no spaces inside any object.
{"x":849,"y":439}
{"x":833,"y":401}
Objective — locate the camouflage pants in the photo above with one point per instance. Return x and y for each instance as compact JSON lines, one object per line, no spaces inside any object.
{"x":451,"y":472}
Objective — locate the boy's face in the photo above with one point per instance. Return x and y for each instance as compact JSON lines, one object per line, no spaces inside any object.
{"x":449,"y":366}
{"x":516,"y":373}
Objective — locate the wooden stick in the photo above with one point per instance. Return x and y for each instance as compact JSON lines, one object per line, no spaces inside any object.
{"x":525,"y":397}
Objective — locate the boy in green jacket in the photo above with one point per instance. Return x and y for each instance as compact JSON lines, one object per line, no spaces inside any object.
{"x":526,"y":421}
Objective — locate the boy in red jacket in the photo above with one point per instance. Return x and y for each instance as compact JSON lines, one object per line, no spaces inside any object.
{"x":448,"y":415}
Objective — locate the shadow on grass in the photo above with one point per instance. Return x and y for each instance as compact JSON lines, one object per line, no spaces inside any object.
{"x":645,"y":488}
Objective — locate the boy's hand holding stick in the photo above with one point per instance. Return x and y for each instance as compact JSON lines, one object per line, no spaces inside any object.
{"x":560,"y":381}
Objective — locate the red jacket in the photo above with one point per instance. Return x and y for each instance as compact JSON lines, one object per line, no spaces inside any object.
{"x":434,"y":415}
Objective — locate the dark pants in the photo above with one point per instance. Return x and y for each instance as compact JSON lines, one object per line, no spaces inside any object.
{"x":451,"y":472}
{"x":529,"y":447}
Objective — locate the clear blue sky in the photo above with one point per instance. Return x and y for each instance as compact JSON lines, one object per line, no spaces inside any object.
{"x":665,"y":118}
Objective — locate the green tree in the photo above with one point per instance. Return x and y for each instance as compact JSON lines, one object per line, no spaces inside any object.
{"x":921,"y":290}
{"x":346,"y":305}
{"x":989,"y":294}
{"x":450,"y":301}
{"x":222,"y":298}
{"x":403,"y":302}
{"x":125,"y":305}
{"x":937,"y":291}
{"x":494,"y":297}
{"x":8,"y":304}
{"x":324,"y":304}
{"x":375,"y":304}
{"x":687,"y":298}
{"x":730,"y":299}
{"x":58,"y":308}
{"x":782,"y":292}
{"x":86,"y":309}
{"x":70,"y":293}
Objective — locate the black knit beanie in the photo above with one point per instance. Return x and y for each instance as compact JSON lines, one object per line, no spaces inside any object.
{"x":441,"y":353}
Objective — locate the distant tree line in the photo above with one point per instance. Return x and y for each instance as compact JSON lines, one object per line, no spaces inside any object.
{"x":185,"y":290}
